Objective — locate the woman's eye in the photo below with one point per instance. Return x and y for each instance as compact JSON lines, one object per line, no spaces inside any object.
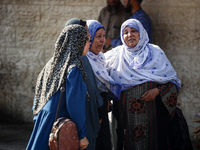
{"x":125,"y":32}
{"x":133,"y":31}
{"x":98,"y":36}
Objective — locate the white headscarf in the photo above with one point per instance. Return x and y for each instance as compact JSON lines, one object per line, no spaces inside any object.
{"x":145,"y":62}
{"x":97,"y":62}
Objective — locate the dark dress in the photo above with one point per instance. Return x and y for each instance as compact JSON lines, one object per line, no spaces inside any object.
{"x":147,"y":125}
{"x":103,"y":141}
{"x":92,"y":104}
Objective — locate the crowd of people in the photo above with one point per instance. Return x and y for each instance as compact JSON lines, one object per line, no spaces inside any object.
{"x":109,"y":64}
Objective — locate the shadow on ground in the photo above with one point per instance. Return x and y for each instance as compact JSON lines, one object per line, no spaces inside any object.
{"x":14,"y":135}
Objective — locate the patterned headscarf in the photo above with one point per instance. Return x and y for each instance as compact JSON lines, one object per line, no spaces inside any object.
{"x":97,"y":61}
{"x":143,"y":63}
{"x":68,"y":51}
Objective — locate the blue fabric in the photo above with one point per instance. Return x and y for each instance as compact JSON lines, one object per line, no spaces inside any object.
{"x":72,"y":106}
{"x":142,"y":63}
{"x":92,"y":105}
{"x":93,"y":26}
{"x":146,"y":22}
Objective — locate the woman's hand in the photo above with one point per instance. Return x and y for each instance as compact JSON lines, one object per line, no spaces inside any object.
{"x":100,"y":121}
{"x":150,"y":95}
{"x":84,"y":143}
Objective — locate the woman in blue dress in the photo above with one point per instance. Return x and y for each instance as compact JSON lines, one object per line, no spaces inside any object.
{"x":65,"y":66}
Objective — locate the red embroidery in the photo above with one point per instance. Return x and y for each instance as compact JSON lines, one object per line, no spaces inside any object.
{"x":136,"y":105}
{"x":171,"y":101}
{"x":138,"y":133}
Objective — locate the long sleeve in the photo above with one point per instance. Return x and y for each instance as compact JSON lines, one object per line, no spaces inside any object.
{"x":75,"y":100}
{"x":169,"y":93}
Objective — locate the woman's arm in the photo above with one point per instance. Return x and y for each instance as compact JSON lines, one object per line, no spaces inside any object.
{"x":168,"y":93}
{"x":150,"y":95}
{"x":75,"y":100}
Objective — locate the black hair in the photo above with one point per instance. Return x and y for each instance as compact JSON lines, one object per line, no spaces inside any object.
{"x":139,"y":1}
{"x":75,"y":21}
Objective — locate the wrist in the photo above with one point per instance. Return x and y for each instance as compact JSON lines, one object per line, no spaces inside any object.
{"x":157,"y":91}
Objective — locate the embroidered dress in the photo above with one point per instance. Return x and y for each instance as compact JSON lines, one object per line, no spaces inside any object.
{"x":145,"y":62}
{"x":139,"y":119}
{"x":143,"y":125}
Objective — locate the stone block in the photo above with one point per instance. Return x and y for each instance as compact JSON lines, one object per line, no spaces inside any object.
{"x":57,"y":2}
{"x":3,"y":18}
{"x":57,"y":16}
{"x":2,"y":36}
{"x":189,"y":111}
{"x":23,"y":15}
{"x":21,"y":68}
{"x":27,"y":37}
{"x":177,"y":42}
{"x":197,"y":18}
{"x":7,"y":36}
{"x":189,"y":92}
{"x":174,"y":18}
{"x":170,"y":3}
{"x":186,"y":66}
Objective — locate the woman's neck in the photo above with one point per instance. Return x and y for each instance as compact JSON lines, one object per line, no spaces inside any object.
{"x":135,"y":7}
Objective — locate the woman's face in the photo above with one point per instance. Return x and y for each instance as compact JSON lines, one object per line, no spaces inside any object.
{"x":131,"y":36}
{"x":87,"y":45}
{"x":98,"y":41}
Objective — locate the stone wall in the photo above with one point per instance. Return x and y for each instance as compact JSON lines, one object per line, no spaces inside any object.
{"x":29,"y":29}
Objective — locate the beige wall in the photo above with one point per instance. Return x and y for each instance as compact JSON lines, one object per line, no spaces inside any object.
{"x":29,"y":29}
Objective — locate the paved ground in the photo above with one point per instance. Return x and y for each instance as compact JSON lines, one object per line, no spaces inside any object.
{"x":14,"y":136}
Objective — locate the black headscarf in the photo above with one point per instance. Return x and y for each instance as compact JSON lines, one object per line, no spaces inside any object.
{"x":75,"y":21}
{"x":68,"y":51}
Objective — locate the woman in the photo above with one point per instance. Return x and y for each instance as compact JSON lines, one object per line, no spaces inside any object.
{"x":65,"y":65}
{"x":150,"y":88}
{"x":95,"y":101}
{"x":105,"y":83}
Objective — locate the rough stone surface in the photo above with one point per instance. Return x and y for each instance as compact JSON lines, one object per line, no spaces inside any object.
{"x":29,"y":29}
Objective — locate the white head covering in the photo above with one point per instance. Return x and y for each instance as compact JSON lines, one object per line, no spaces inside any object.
{"x":145,"y":62}
{"x":97,"y":62}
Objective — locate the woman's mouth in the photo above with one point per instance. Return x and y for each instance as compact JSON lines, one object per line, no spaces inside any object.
{"x":131,"y":40}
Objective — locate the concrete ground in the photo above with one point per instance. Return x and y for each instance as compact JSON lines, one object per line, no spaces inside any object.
{"x":14,"y":136}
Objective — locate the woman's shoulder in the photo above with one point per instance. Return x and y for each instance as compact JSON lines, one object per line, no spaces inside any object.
{"x":156,"y":48}
{"x":73,"y":71}
{"x":113,"y":51}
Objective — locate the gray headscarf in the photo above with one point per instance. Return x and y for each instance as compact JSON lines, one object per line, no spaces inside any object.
{"x":68,"y":51}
